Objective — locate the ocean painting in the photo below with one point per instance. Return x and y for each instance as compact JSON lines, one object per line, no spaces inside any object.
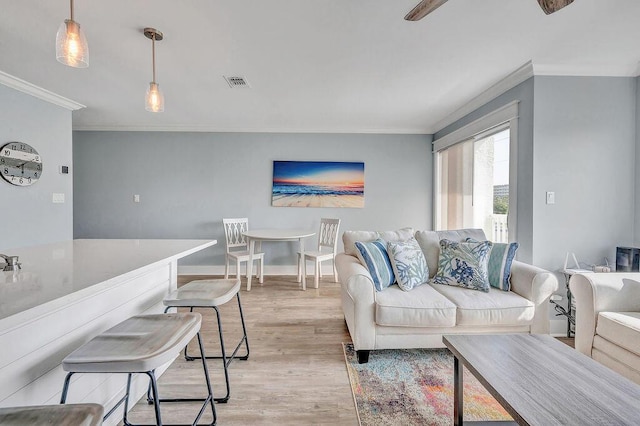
{"x":318,"y":184}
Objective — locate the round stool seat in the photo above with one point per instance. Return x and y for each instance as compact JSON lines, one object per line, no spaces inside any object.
{"x":203,"y":293}
{"x":61,"y":415}
{"x":140,"y":343}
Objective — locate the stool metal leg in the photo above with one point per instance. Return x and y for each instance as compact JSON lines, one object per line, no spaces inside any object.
{"x":244,"y":338}
{"x":65,"y":388}
{"x":153,"y":398}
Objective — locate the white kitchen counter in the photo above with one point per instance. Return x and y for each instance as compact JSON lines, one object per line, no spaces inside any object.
{"x":65,"y":294}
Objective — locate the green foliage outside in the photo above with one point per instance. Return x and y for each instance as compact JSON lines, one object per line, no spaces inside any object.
{"x":500,"y":205}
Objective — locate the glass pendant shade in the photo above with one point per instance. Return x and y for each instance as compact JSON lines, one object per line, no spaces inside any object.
{"x":155,"y":98}
{"x":71,"y":45}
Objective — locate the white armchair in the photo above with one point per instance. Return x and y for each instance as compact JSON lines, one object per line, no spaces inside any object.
{"x":608,"y":320}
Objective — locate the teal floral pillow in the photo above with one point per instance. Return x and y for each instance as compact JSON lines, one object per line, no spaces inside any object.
{"x":464,"y":264}
{"x":408,"y":262}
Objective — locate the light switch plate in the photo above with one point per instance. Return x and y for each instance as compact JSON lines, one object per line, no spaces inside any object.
{"x":136,"y":198}
{"x":551,"y":197}
{"x":58,"y":197}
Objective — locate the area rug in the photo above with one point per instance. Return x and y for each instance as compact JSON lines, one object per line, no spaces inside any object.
{"x":414,"y":387}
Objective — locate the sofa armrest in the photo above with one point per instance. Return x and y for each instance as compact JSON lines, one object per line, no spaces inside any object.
{"x":537,"y":285}
{"x":595,"y":293}
{"x":358,"y":300}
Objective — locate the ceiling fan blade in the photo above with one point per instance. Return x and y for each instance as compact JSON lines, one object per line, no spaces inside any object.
{"x":550,"y":6}
{"x":424,"y":8}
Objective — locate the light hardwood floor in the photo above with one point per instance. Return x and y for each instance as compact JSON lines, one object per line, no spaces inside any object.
{"x":295,"y":374}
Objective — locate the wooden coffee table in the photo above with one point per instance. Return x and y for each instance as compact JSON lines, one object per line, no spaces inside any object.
{"x":541,"y":381}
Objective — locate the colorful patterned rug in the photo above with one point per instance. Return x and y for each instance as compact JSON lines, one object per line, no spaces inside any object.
{"x":414,"y":387}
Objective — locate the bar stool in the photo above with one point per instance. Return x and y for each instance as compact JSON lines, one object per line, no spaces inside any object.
{"x":47,"y":415}
{"x":139,"y":344}
{"x":211,"y":294}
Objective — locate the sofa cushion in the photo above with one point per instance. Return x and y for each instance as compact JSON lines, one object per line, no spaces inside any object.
{"x":620,"y":328}
{"x":409,"y":265}
{"x":493,"y":308}
{"x":374,"y":256}
{"x":464,"y":264}
{"x":349,"y":238}
{"x":430,"y":243}
{"x":616,"y":358}
{"x":421,"y":307}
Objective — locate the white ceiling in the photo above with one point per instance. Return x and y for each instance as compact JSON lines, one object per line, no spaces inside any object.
{"x":314,"y":65}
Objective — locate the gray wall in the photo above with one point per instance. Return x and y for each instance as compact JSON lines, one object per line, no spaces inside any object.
{"x":585,"y":151}
{"x":188,"y":182}
{"x":28,"y":216}
{"x":524,"y":93}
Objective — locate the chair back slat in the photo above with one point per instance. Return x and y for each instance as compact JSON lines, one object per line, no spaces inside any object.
{"x":233,"y":230}
{"x":328,"y":235}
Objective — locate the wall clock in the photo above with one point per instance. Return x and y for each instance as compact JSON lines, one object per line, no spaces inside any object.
{"x":20,"y":164}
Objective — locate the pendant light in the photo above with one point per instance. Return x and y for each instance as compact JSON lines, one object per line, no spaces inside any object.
{"x":155,"y":98}
{"x":71,"y":44}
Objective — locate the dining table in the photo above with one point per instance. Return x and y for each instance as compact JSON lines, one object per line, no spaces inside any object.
{"x":260,"y":235}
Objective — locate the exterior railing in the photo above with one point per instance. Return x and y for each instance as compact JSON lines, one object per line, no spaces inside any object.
{"x":499,"y":230}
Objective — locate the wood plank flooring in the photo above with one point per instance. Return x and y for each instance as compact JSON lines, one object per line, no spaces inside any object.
{"x":295,"y":375}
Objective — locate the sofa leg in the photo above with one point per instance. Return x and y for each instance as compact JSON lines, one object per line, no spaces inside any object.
{"x":363,"y":357}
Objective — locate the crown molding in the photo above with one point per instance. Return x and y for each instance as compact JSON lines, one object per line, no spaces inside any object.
{"x":38,"y":92}
{"x":213,"y":129}
{"x":586,"y":70}
{"x":529,"y":70}
{"x":509,"y":82}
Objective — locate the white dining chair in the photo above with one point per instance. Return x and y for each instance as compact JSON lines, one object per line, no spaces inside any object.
{"x":327,"y":243}
{"x":237,"y":247}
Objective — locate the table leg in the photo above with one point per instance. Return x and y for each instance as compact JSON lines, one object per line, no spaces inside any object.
{"x":304,"y":265}
{"x":457,"y":392}
{"x":252,"y":244}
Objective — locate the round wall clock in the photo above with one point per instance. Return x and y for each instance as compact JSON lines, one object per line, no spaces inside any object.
{"x":20,"y":164}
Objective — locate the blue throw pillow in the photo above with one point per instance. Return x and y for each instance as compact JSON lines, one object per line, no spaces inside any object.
{"x":374,"y":256}
{"x":409,"y":264}
{"x":464,"y":264}
{"x":499,"y":267}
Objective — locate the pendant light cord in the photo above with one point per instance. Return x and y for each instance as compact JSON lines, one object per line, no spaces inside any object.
{"x":153,"y":56}
{"x":71,"y":10}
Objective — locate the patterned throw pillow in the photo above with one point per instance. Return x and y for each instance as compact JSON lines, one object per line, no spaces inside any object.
{"x":374,"y":256}
{"x":499,"y":267}
{"x":409,"y":264}
{"x":464,"y":264}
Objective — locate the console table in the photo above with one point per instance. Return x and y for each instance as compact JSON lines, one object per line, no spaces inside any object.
{"x":65,"y":294}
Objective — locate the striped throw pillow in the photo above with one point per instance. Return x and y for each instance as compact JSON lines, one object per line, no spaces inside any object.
{"x":499,"y":267}
{"x":374,"y":256}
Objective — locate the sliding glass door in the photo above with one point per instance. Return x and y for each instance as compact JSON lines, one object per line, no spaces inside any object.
{"x":472,"y":184}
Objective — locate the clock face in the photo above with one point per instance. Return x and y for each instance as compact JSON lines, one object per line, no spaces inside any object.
{"x":20,"y":164}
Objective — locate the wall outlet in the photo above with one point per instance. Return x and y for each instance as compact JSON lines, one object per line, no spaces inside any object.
{"x":136,"y":198}
{"x":551,"y":197}
{"x":58,"y":198}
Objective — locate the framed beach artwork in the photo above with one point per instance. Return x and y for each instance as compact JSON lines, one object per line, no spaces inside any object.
{"x":317,"y":184}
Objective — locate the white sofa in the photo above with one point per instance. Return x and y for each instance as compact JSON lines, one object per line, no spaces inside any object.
{"x":608,"y":319}
{"x":394,"y":318}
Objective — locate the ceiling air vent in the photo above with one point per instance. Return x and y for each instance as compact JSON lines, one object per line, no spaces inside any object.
{"x":237,"y":82}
